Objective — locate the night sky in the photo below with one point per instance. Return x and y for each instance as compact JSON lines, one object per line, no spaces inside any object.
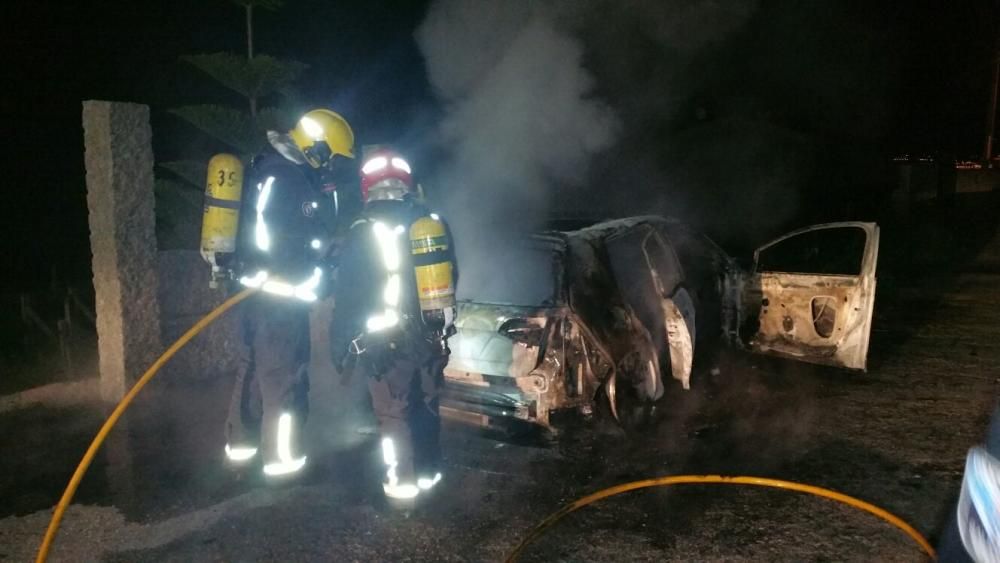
{"x":365,"y":64}
{"x":129,"y":51}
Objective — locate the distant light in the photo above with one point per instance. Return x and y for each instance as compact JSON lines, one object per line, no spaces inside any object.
{"x":315,"y":205}
{"x":316,"y":244}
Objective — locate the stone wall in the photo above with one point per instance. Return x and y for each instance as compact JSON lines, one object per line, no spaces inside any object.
{"x":185,"y":298}
{"x":147,"y":299}
{"x":119,"y":161}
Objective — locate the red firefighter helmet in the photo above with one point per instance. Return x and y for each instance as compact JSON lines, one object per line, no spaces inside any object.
{"x":385,"y":175}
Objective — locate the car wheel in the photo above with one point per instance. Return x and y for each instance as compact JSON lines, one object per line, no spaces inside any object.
{"x":631,"y":393}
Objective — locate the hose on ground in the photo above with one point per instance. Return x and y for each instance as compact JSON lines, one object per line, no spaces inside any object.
{"x":88,"y":457}
{"x":542,"y":527}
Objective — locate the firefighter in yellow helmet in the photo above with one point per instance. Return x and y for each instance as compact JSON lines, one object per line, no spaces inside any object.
{"x":320,"y":135}
{"x":395,"y":300}
{"x":287,"y":226}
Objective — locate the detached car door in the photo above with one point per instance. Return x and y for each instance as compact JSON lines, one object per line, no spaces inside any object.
{"x":811,"y":295}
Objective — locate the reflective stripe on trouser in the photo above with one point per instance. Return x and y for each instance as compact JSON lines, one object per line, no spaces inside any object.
{"x":270,"y":402}
{"x":405,"y":400}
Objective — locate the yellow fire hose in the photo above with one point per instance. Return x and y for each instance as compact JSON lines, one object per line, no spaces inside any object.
{"x":541,"y":528}
{"x":74,"y":482}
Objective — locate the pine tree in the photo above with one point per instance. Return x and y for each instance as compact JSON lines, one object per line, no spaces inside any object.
{"x":256,"y":78}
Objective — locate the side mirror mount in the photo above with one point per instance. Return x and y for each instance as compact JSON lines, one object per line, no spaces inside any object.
{"x":521,"y":331}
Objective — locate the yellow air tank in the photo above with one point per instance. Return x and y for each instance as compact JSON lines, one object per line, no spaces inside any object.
{"x":433,"y":268}
{"x":220,"y":221}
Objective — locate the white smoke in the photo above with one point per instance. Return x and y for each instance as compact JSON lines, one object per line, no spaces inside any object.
{"x":520,"y":117}
{"x":525,"y":123}
{"x":731,"y":115}
{"x":462,"y":41}
{"x":525,"y":120}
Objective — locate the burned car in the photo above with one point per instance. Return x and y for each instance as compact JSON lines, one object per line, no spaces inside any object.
{"x":629,"y":305}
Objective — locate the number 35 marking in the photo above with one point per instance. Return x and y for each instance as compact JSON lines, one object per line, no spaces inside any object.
{"x":222,"y":177}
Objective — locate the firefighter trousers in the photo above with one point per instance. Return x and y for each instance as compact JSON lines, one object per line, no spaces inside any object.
{"x":405,"y":397}
{"x":269,"y":404}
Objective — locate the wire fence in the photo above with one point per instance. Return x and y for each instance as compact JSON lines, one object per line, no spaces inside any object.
{"x":47,"y":335}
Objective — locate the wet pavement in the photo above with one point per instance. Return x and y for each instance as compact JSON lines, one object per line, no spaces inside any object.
{"x":895,"y":437}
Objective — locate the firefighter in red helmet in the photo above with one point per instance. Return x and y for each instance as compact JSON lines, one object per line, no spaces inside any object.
{"x":386,"y":175}
{"x":395,"y":310}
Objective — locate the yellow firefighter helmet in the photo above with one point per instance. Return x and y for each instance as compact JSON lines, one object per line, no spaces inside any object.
{"x":320,"y":134}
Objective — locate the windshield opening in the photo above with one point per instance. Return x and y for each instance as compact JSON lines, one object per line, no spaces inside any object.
{"x":519,"y":275}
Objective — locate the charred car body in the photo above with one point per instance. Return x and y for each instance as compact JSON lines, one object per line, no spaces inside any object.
{"x":631,"y":304}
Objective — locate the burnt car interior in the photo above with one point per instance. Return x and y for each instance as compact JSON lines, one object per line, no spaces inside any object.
{"x":624,"y":305}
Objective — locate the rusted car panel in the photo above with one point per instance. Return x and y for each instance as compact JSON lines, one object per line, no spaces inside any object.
{"x":481,"y":348}
{"x":634,"y":299}
{"x":589,"y":335}
{"x":523,"y":362}
{"x":679,"y":317}
{"x":505,"y":362}
{"x":816,"y":318}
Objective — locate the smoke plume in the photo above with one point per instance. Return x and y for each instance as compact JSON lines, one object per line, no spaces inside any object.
{"x":727,"y":114}
{"x":520,"y":114}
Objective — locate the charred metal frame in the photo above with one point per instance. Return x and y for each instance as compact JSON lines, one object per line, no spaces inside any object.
{"x":570,"y":360}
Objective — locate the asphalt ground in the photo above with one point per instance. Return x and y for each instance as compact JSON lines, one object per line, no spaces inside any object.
{"x":895,"y":436}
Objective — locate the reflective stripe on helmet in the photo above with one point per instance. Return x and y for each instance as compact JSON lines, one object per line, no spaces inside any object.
{"x":374,"y":165}
{"x":400,"y":164}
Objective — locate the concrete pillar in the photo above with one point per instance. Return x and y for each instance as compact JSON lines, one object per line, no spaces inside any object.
{"x":119,"y":159}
